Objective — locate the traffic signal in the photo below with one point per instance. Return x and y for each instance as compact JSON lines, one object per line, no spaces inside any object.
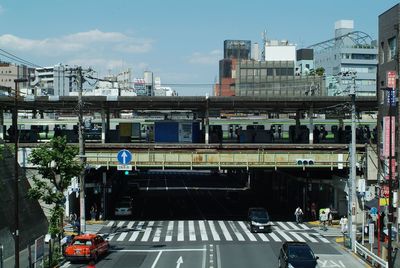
{"x":305,"y":162}
{"x":126,"y":172}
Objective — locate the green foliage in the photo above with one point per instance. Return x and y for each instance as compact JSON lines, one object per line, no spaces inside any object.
{"x":48,"y":189}
{"x":320,"y":71}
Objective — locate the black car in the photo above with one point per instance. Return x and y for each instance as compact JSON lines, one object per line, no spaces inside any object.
{"x":259,"y":220}
{"x":297,"y":254}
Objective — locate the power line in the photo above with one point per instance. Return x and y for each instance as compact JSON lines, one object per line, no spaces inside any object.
{"x":18,"y":59}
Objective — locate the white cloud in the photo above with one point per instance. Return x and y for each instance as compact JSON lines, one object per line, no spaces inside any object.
{"x":93,"y":42}
{"x":99,"y":63}
{"x":1,"y":9}
{"x":210,"y":58}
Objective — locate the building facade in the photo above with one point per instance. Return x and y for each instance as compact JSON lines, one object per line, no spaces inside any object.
{"x":349,"y":50}
{"x":9,"y":72}
{"x":57,"y":80}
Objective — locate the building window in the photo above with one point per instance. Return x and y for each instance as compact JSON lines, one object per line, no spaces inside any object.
{"x":392,"y":42}
{"x":382,"y":54}
{"x":270,"y":71}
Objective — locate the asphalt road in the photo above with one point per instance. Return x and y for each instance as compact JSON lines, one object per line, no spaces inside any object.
{"x":205,"y":229}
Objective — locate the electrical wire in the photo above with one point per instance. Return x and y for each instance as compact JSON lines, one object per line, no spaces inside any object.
{"x":18,"y":59}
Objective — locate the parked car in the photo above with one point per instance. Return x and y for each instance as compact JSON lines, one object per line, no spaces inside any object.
{"x":258,"y":219}
{"x":123,"y":207}
{"x":297,"y":254}
{"x":86,"y":247}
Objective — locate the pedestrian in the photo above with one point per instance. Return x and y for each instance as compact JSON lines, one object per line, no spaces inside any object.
{"x":313,"y":211}
{"x":323,"y":217}
{"x":91,"y":265}
{"x":343,"y":224}
{"x":299,"y":215}
{"x":330,"y":218}
{"x":93,"y":212}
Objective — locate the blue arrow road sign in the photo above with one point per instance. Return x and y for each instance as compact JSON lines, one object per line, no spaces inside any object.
{"x":374,"y":211}
{"x":124,"y":157}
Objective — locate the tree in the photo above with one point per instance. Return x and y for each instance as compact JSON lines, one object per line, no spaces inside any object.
{"x":57,"y":164}
{"x":320,"y":71}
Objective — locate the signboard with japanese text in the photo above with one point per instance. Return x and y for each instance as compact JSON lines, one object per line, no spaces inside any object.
{"x":387,"y":138}
{"x":391,"y":79}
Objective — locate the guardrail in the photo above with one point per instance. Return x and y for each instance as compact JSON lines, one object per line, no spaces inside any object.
{"x":370,"y":256}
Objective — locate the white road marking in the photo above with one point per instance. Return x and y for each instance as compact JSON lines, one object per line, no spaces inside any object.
{"x":120,"y":224}
{"x":122,"y":236}
{"x":298,"y":238}
{"x":238,"y":235}
{"x":157,"y":235}
{"x":130,"y":224}
{"x":309,"y":237}
{"x":110,"y":237}
{"x":225,"y":231}
{"x":147,"y":231}
{"x":203,"y":232}
{"x":192,"y":233}
{"x":180,"y":231}
{"x":135,"y":233}
{"x":305,"y":227}
{"x":168,"y":237}
{"x":275,"y":238}
{"x":263,"y":237}
{"x":285,"y":236}
{"x":156,"y":260}
{"x":110,"y":224}
{"x":323,"y":239}
{"x":213,"y":231}
{"x":247,"y":232}
{"x":294,"y":226}
{"x":283,"y":225}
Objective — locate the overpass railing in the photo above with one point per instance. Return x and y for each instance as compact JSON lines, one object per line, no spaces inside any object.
{"x":234,"y":159}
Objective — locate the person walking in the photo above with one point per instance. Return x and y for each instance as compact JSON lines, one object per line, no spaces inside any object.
{"x":313,"y":211}
{"x":330,"y":218}
{"x":343,"y":224}
{"x":323,"y":217}
{"x":93,"y":212}
{"x":299,"y":215}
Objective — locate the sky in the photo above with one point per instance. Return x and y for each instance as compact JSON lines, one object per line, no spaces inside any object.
{"x":179,"y":41}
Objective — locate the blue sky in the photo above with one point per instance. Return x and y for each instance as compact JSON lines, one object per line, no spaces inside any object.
{"x":180,"y":41}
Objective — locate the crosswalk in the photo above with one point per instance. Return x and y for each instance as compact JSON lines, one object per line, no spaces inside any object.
{"x":206,"y":230}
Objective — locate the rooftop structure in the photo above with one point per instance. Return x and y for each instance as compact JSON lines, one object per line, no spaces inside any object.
{"x":349,"y":50}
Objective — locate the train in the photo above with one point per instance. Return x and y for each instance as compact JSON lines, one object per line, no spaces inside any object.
{"x":253,"y":130}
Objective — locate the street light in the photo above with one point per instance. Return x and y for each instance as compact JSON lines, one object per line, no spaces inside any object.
{"x":16,"y":175}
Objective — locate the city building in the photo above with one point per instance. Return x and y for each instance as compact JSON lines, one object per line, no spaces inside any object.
{"x":234,"y":51}
{"x":388,"y":83}
{"x":53,"y":81}
{"x":242,"y":74}
{"x":9,"y":72}
{"x":304,"y":61}
{"x":349,"y":50}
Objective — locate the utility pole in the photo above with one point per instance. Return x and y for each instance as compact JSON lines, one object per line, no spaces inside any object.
{"x":81,"y":153}
{"x":390,"y":214}
{"x":353,"y":172}
{"x":16,"y":170}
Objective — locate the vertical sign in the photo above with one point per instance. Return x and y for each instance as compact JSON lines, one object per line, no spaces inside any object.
{"x":371,"y":232}
{"x":391,"y":79}
{"x":386,"y":136}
